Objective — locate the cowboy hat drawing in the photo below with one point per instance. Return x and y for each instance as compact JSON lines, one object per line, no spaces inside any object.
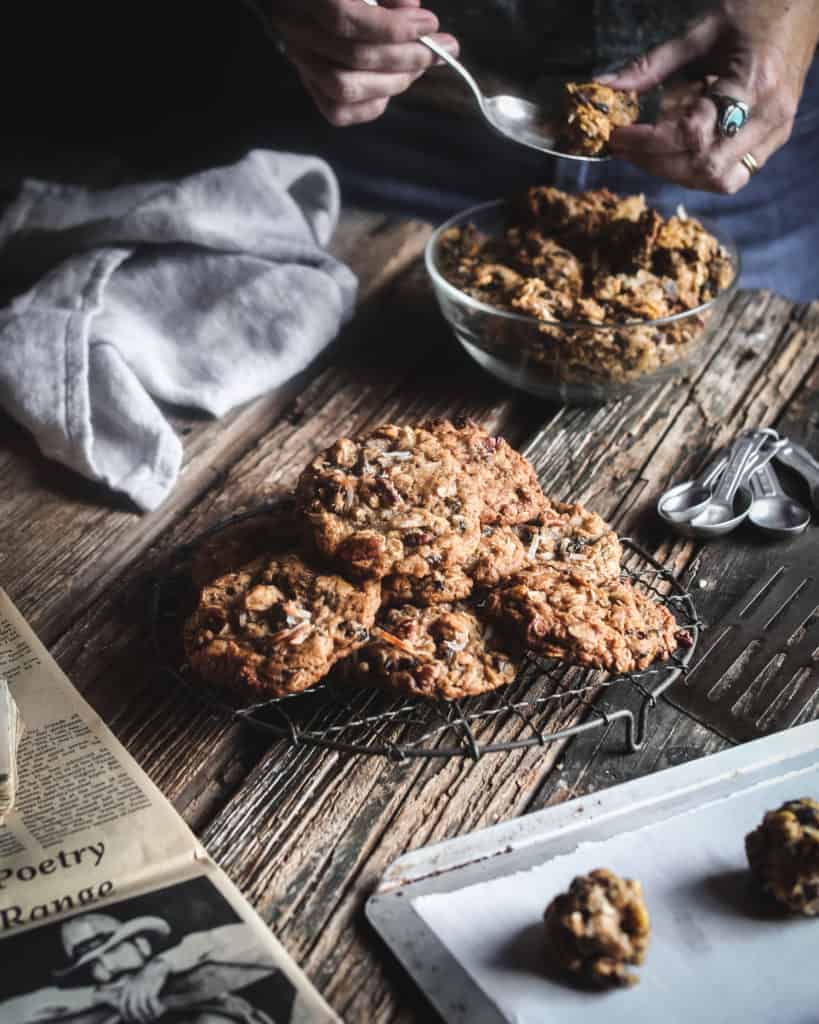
{"x":88,"y":937}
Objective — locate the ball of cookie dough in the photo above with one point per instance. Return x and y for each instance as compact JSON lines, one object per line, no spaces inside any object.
{"x":598,"y":928}
{"x":783,"y":853}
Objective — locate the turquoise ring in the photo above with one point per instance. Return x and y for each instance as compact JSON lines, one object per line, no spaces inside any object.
{"x":732,"y":114}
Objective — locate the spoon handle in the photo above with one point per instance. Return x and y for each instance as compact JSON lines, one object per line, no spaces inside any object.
{"x":799,"y":459}
{"x":742,"y":451}
{"x":447,"y":58}
{"x":765,"y":483}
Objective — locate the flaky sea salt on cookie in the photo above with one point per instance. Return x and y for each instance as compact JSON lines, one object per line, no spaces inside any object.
{"x":395,"y":500}
{"x":277,"y":626}
{"x":442,"y":651}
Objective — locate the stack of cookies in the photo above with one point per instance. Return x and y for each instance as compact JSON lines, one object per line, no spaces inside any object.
{"x":428,"y":560}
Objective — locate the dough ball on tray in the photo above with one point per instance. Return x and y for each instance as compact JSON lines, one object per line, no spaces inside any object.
{"x":598,"y":928}
{"x":783,"y":854}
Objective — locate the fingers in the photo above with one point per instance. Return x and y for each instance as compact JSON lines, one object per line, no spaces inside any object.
{"x":354,"y":21}
{"x":350,"y":97}
{"x":361,"y":56}
{"x":651,"y":68}
{"x":694,"y":154}
{"x":687,"y":146}
{"x":720,"y":170}
{"x":352,"y":58}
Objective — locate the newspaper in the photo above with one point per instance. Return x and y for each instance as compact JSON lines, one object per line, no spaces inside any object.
{"x":110,"y":908}
{"x":11,"y":730}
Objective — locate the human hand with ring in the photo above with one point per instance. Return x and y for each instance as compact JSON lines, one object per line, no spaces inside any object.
{"x":752,"y":59}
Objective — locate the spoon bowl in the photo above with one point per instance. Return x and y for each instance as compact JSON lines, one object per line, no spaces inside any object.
{"x":779,"y":515}
{"x":720,"y":517}
{"x":683,"y":502}
{"x":526,"y":123}
{"x":773,"y":509}
{"x":713,"y":521}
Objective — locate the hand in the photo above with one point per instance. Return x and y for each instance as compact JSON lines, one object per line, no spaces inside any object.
{"x":753,"y":51}
{"x":351,"y":57}
{"x":136,"y":999}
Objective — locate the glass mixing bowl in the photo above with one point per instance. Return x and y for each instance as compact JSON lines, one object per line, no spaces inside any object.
{"x":571,"y":362}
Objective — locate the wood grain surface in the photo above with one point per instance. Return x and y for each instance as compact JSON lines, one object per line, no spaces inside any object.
{"x":304,"y":832}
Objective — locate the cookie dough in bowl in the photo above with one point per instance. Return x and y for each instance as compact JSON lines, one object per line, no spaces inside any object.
{"x":581,"y":298}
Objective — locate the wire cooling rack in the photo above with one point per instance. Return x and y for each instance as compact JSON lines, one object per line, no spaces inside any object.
{"x":338,"y":715}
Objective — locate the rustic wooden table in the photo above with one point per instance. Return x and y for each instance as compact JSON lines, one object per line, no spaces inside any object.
{"x":306,"y":833}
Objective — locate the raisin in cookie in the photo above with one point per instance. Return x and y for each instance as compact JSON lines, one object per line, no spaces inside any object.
{"x":598,"y":928}
{"x":441,"y":651}
{"x":783,"y":854}
{"x":506,"y":482}
{"x":277,"y":626}
{"x":583,"y":618}
{"x":395,"y":500}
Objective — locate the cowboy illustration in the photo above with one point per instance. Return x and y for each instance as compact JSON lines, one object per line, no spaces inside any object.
{"x":134,"y":980}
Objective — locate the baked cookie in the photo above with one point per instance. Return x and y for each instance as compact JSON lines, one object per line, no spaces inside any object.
{"x":563,"y":533}
{"x":598,"y":928}
{"x":570,"y":533}
{"x":441,"y":651}
{"x":783,"y":854}
{"x":277,"y":626}
{"x":592,"y":111}
{"x":395,"y":500}
{"x":506,"y":482}
{"x":581,"y":617}
{"x":566,"y":533}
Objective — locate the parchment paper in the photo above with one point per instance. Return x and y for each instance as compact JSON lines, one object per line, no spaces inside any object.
{"x":717,"y":952}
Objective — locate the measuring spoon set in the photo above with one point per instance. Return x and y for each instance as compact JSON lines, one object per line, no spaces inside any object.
{"x":741,"y":483}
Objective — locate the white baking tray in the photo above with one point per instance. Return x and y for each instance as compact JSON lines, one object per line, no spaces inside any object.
{"x":464,"y":917}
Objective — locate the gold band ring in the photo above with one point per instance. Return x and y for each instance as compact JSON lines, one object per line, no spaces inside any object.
{"x":750,"y":164}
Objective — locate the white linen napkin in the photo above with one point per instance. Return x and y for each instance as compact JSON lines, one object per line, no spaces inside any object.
{"x":203,"y":292}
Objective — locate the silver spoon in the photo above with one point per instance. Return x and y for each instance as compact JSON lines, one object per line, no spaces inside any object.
{"x":684,"y":501}
{"x":799,"y":459}
{"x":517,"y":119}
{"x":720,"y":514}
{"x":772,"y":510}
{"x":731,"y":500}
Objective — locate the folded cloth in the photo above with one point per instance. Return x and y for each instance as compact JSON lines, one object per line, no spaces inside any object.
{"x":204,"y":292}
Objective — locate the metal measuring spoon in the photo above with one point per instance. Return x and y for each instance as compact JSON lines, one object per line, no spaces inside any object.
{"x":799,"y":459}
{"x":772,"y":510}
{"x":731,"y":501}
{"x":681,"y":503}
{"x":516,"y":118}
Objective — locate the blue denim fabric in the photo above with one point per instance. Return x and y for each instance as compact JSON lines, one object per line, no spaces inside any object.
{"x":433,"y":165}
